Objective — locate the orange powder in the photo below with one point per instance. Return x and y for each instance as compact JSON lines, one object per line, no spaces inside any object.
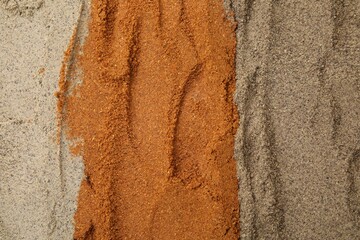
{"x":156,"y":115}
{"x":41,"y":71}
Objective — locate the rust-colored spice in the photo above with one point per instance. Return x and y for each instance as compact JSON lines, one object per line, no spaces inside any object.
{"x":156,"y":115}
{"x":66,"y":74}
{"x":41,"y":70}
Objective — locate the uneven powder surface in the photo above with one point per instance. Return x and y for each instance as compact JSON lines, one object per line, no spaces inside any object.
{"x":156,"y":115}
{"x":298,"y":141}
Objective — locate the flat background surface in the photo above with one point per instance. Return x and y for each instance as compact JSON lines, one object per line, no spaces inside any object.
{"x":38,"y":180}
{"x":298,"y":142}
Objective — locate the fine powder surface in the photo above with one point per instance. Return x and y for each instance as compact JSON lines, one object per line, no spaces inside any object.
{"x":156,"y":116}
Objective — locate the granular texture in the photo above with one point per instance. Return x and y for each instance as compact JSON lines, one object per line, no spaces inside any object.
{"x":298,"y":141}
{"x":156,"y":115}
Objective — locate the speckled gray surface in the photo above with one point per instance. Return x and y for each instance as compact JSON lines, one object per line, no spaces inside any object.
{"x":38,"y":180}
{"x":298,"y":95}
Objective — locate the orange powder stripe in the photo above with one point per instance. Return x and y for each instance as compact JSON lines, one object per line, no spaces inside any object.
{"x":156,"y":115}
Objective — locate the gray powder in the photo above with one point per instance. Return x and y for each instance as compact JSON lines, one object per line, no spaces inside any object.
{"x":298,"y":96}
{"x":39,"y":180}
